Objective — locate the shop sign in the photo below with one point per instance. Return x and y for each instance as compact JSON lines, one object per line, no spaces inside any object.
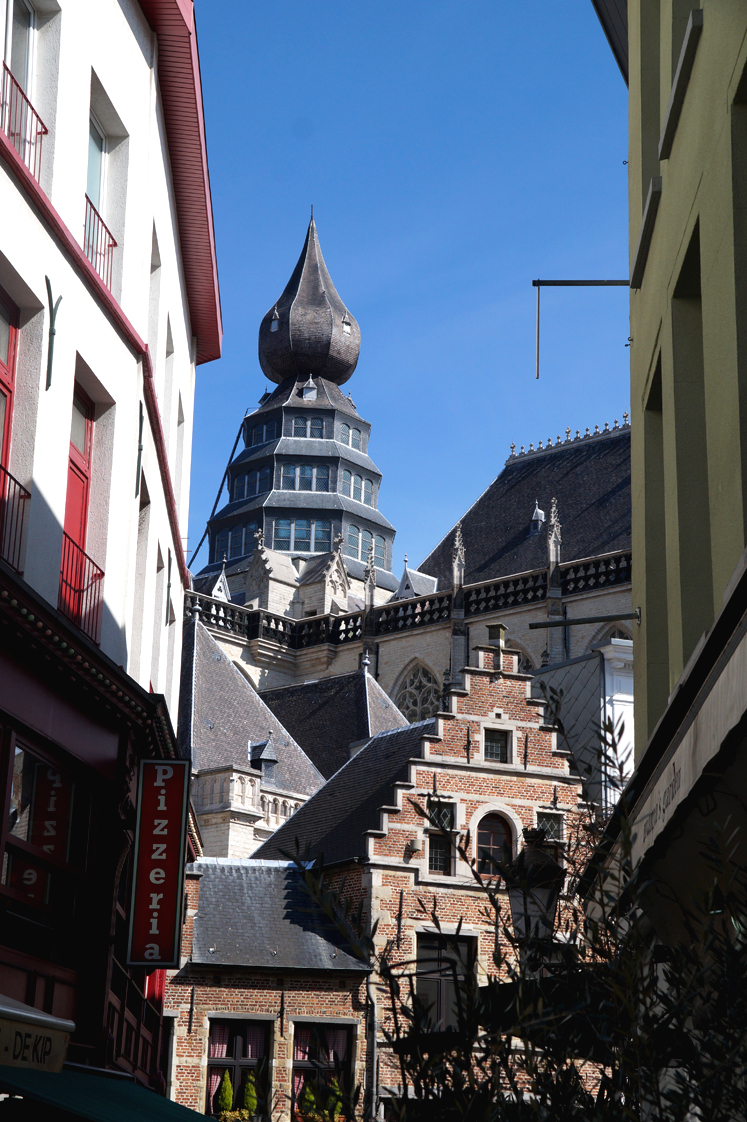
{"x":158,"y":879}
{"x":32,"y":1046}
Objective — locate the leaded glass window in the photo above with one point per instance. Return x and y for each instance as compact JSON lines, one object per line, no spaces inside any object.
{"x":353,"y":542}
{"x":221,"y":545}
{"x":368,"y":492}
{"x":299,"y":426}
{"x":322,"y":536}
{"x":357,"y":485}
{"x":302,"y":535}
{"x":239,"y":487}
{"x":379,"y":551}
{"x":264,"y":480}
{"x":317,"y":428}
{"x":258,"y":435}
{"x":347,"y":480}
{"x":419,"y":697}
{"x":322,"y":478}
{"x":289,"y":477}
{"x":305,"y":477}
{"x":366,"y":539}
{"x":344,"y":434}
{"x":237,"y":541}
{"x":355,"y":439}
{"x":282,"y":533}
{"x":253,"y":483}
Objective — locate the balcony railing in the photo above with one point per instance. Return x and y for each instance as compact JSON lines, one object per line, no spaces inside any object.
{"x":81,"y":589}
{"x":98,"y":243}
{"x":13,"y":501}
{"x":21,"y":124}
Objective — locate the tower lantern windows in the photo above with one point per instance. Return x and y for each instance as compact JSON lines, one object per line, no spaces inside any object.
{"x":302,"y":535}
{"x":239,"y":487}
{"x":305,"y":477}
{"x":358,"y":545}
{"x":366,"y":539}
{"x":345,"y":434}
{"x":368,"y":492}
{"x":300,"y":426}
{"x":355,"y":439}
{"x":353,"y":544}
{"x":322,"y":478}
{"x":298,"y":534}
{"x":347,"y":482}
{"x":221,"y":545}
{"x":379,"y":551}
{"x":357,"y":487}
{"x":316,"y":428}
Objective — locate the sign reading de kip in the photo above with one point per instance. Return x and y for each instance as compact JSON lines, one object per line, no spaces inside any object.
{"x":156,"y":908}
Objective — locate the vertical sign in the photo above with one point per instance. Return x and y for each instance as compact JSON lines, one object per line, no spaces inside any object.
{"x":158,"y":878}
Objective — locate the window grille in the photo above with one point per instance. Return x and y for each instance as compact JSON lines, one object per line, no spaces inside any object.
{"x":302,"y":535}
{"x":322,"y":536}
{"x":368,"y":492}
{"x":356,"y":439}
{"x":299,"y":426}
{"x":345,"y":434}
{"x":289,"y":477}
{"x":322,"y":478}
{"x":353,"y":542}
{"x":357,"y":483}
{"x":347,"y":480}
{"x":552,"y":824}
{"x":305,"y":477}
{"x":317,"y":428}
{"x":379,"y":551}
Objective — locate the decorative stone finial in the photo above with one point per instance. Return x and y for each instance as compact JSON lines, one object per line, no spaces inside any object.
{"x":625,"y":418}
{"x":259,"y":538}
{"x":554,"y":537}
{"x":458,"y":558}
{"x":338,"y":543}
{"x":567,"y":436}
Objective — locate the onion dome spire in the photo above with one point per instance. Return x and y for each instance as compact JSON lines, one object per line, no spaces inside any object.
{"x":309,"y":331}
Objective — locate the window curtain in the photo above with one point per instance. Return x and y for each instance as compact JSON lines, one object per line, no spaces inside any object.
{"x":337,"y":1044}
{"x":254,"y":1042}
{"x":301,"y":1042}
{"x":215,"y":1074}
{"x":298,"y":1080}
{"x":218,"y":1040}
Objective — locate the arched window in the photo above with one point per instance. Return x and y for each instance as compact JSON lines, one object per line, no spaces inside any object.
{"x":493,"y":843}
{"x":344,"y":434}
{"x":289,"y":477}
{"x":356,"y":439}
{"x":357,"y":486}
{"x":353,"y":542}
{"x":270,"y":430}
{"x":322,"y":536}
{"x":316,"y":428}
{"x":282,"y":538}
{"x":252,"y":483}
{"x":221,"y":546}
{"x":368,"y":492}
{"x":249,"y":539}
{"x":302,"y":535}
{"x":618,"y":633}
{"x":305,"y":477}
{"x":419,"y":696}
{"x":347,"y":480}
{"x":322,"y":478}
{"x":258,"y":435}
{"x":239,"y":487}
{"x":299,"y":426}
{"x":264,"y":480}
{"x":379,"y":551}
{"x":366,"y":539}
{"x":237,"y":541}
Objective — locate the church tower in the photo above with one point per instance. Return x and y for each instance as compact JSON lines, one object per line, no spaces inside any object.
{"x":304,"y":475}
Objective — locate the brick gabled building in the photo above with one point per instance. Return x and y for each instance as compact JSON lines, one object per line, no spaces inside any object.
{"x":488,"y":765}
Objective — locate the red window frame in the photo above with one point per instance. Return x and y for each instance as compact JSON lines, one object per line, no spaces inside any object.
{"x":80,"y":466}
{"x":8,"y":376}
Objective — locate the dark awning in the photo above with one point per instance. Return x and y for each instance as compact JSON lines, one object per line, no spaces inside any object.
{"x":95,"y":1097}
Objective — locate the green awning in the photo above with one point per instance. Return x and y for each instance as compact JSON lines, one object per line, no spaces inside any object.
{"x":96,"y":1097}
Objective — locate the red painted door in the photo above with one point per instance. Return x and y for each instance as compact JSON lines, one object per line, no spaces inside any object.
{"x":75,"y":577}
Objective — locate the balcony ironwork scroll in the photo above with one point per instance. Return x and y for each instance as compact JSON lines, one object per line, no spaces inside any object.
{"x":21,"y":124}
{"x":13,"y":503}
{"x":98,"y":243}
{"x":81,"y":595}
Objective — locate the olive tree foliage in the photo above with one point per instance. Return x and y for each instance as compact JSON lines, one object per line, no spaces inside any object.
{"x":603,"y":1024}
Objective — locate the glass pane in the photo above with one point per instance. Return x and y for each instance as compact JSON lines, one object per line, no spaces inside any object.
{"x":250,"y":541}
{"x":237,"y":541}
{"x":240,"y":487}
{"x":346,"y":481}
{"x":221,"y":547}
{"x":305,"y":477}
{"x":270,"y":430}
{"x":257,"y":436}
{"x":380,"y":551}
{"x":365,"y":544}
{"x":78,"y":425}
{"x":299,"y":426}
{"x":345,"y":434}
{"x":356,"y":441}
{"x":282,"y":533}
{"x":322,"y":479}
{"x":253,"y":483}
{"x":357,"y":487}
{"x":44,"y":810}
{"x":496,"y":745}
{"x":323,"y":537}
{"x":317,"y":428}
{"x":264,"y":480}
{"x":438,"y":854}
{"x":20,"y":44}
{"x":302,"y":536}
{"x":552,"y":824}
{"x":353,"y":539}
{"x":5,"y":321}
{"x":95,"y":165}
{"x":367,"y":491}
{"x":289,"y":477}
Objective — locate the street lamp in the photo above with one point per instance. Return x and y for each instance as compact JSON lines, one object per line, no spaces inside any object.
{"x":534,"y":882}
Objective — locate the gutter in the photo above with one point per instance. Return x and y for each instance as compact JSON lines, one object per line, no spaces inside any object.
{"x":103,"y":296}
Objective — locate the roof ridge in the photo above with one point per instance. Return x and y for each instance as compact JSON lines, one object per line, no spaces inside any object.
{"x":598,"y":433}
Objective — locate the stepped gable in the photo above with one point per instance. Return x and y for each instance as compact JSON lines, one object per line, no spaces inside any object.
{"x":309,"y":331}
{"x":259,"y":915}
{"x":327,"y":716}
{"x":333,"y":823}
{"x":220,"y":712}
{"x":589,"y":477}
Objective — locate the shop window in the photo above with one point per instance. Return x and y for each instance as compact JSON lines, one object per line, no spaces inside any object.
{"x":240,"y":1050}
{"x":321,"y":1068}
{"x":45,"y":834}
{"x":442,"y":965}
{"x":497,"y":745}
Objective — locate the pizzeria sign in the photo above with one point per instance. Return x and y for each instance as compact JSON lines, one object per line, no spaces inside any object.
{"x":158,"y":878}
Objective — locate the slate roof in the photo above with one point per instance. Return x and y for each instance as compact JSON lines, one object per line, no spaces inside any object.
{"x":328,"y":396}
{"x":333,"y":823}
{"x":328,"y":715}
{"x":292,"y":501}
{"x":314,"y":333}
{"x":220,"y":712}
{"x":414,"y":583}
{"x":357,"y":570}
{"x":299,"y":447}
{"x":252,"y":914}
{"x":590,"y":480}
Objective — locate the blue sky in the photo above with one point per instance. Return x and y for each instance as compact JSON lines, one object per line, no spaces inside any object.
{"x":453,"y":150}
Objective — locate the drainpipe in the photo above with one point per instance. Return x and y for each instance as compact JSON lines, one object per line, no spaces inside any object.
{"x":374,"y":1057}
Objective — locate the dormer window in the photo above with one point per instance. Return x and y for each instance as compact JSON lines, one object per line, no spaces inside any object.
{"x":346,"y":325}
{"x":275,"y":320}
{"x":538,"y":518}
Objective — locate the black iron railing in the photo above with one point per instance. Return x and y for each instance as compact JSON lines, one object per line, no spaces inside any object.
{"x":13,"y":502}
{"x":81,"y":596}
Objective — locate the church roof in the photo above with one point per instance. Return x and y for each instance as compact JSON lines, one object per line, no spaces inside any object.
{"x":255,"y":914}
{"x":328,"y":715}
{"x":303,"y":446}
{"x":414,"y":583}
{"x":334,"y":822}
{"x":357,"y":570}
{"x":290,"y":392}
{"x":297,"y":501}
{"x":220,"y":712}
{"x":590,"y":478}
{"x":309,"y":330}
